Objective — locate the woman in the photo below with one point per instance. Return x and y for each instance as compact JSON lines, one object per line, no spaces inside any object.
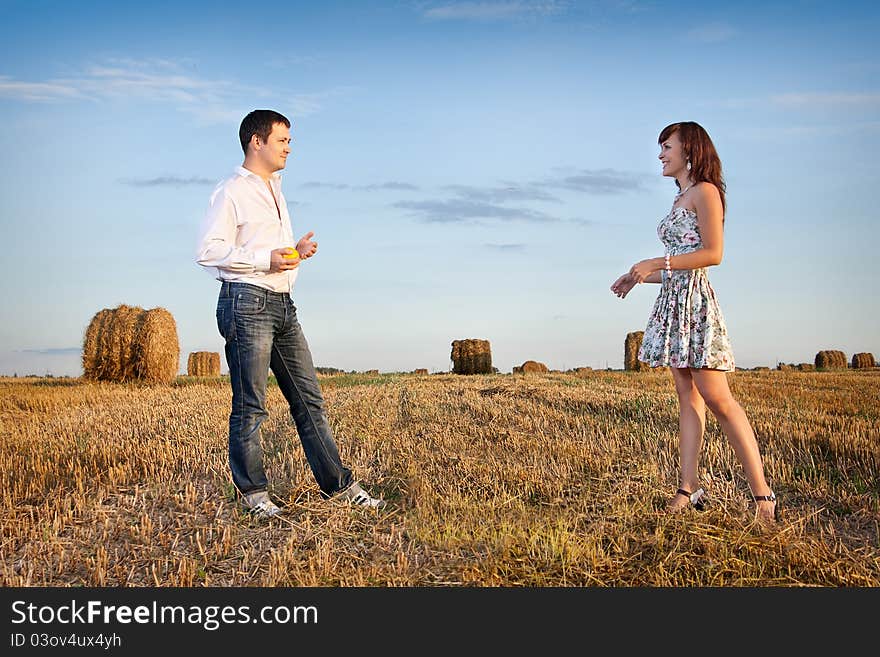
{"x":686,"y":330}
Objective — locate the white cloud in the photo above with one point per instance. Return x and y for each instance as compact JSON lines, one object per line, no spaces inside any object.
{"x":506,"y":247}
{"x":158,"y":81}
{"x":304,"y":104}
{"x":491,"y":11}
{"x":461,"y":210}
{"x":510,"y":192}
{"x":168,"y":181}
{"x":392,"y":185}
{"x":38,"y":91}
{"x":807,"y":100}
{"x":599,"y":181}
{"x":814,"y":99}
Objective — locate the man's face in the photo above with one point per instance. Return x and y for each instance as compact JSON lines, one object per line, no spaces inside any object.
{"x":273,"y":153}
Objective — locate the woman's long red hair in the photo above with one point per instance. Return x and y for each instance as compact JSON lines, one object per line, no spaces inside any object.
{"x":699,"y":149}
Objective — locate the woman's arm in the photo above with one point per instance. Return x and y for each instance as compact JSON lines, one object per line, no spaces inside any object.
{"x":710,"y":219}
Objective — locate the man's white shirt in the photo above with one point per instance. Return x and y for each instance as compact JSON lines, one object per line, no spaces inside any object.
{"x":241,"y":229}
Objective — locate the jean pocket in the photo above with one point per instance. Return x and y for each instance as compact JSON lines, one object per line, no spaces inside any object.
{"x":224,"y":314}
{"x":248,"y":303}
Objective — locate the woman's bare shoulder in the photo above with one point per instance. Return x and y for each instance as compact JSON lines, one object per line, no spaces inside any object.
{"x":706,"y":190}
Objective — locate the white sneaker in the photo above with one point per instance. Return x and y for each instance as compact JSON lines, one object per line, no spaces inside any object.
{"x":259,"y":505}
{"x":357,"y":496}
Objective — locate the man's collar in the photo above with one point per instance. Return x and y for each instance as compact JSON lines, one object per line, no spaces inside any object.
{"x":241,"y":171}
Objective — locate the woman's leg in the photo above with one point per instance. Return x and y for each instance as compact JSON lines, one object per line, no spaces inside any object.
{"x":691,"y":424}
{"x":713,"y":387}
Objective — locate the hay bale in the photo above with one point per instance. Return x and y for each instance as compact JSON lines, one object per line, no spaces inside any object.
{"x":128,"y":343}
{"x":806,"y":367}
{"x":863,"y":360}
{"x":371,"y":371}
{"x":631,"y":346}
{"x":203,"y":363}
{"x":531,"y":367}
{"x":761,"y":369}
{"x":830,"y":359}
{"x":784,"y":367}
{"x":420,"y":371}
{"x":471,"y":357}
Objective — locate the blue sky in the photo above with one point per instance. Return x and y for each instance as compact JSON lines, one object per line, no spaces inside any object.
{"x":470,"y":170}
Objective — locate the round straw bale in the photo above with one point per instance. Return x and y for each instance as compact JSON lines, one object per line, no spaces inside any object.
{"x":631,"y":346}
{"x":806,"y":367}
{"x":128,"y":343}
{"x":203,"y":363}
{"x":863,"y":360}
{"x":531,"y":367}
{"x":830,"y":359}
{"x":471,"y":356}
{"x":421,"y":370}
{"x":95,"y":332}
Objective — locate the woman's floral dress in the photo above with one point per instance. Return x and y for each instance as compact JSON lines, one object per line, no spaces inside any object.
{"x":686,"y":327}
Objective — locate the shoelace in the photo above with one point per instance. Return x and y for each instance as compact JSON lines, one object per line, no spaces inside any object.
{"x":265,"y":509}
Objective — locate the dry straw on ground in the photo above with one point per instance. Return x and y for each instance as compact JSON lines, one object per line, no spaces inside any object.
{"x":128,"y":343}
{"x":863,"y":360}
{"x":830,"y":359}
{"x":553,"y":480}
{"x":631,"y":345}
{"x":471,"y":357}
{"x":203,"y":363}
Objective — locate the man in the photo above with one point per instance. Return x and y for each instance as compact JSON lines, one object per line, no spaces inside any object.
{"x":245,"y":242}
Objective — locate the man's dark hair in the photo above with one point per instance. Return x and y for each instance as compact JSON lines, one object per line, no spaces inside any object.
{"x":259,"y":122}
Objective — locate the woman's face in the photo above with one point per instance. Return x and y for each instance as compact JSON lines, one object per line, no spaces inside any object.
{"x":672,"y":157}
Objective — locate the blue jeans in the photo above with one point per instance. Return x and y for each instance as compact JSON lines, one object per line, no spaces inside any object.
{"x":261,"y":331}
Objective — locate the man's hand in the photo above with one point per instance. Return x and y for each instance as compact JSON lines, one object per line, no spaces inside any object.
{"x":306,"y":246}
{"x":280,"y":260}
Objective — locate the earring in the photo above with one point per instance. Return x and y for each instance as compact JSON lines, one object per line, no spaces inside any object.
{"x":689,"y":165}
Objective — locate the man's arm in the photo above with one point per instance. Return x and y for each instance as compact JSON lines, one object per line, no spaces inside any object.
{"x":216,"y":244}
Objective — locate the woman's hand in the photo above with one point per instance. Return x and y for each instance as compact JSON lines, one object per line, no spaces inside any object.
{"x":623,"y":285}
{"x":644,"y":268}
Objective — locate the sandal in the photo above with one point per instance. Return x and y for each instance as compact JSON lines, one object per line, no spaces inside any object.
{"x":696,"y":499}
{"x":768,"y":498}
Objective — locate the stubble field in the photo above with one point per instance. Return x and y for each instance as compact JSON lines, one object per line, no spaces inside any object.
{"x":495,"y":480}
